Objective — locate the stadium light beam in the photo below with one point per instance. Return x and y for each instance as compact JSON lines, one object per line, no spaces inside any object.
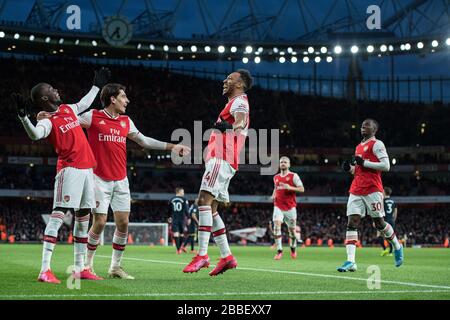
{"x":221,"y":49}
{"x":282,"y":60}
{"x":166,"y":47}
{"x":310,"y":49}
{"x":289,"y":50}
{"x":420,"y":45}
{"x":305,"y":59}
{"x":434,"y":43}
{"x":94,"y":43}
{"x":47,"y":40}
{"x":179,"y":48}
{"x":329,"y":59}
{"x":233,"y":49}
{"x":257,"y":59}
{"x":294,"y":59}
{"x":383,"y":48}
{"x":31,"y":37}
{"x":194,"y":48}
{"x":245,"y":60}
{"x":16,"y":36}
{"x":370,"y":49}
{"x":354,"y":49}
{"x":447,"y":42}
{"x":407,"y":47}
{"x":275,"y":49}
{"x":317,"y":59}
{"x":207,"y":48}
{"x":248,"y":49}
{"x":2,"y":34}
{"x":338,"y":49}
{"x":323,"y":49}
{"x":151,"y":46}
{"x":391,"y":47}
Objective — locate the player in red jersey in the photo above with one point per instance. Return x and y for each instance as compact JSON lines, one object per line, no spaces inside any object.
{"x":108,"y":130}
{"x":366,"y":193}
{"x":74,"y":182}
{"x":286,"y":185}
{"x":223,"y":152}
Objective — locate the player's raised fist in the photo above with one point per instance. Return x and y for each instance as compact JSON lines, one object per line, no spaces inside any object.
{"x":101,"y":77}
{"x":21,"y":104}
{"x":181,"y":150}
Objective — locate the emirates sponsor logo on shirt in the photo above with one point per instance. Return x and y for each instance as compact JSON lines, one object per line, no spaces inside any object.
{"x":70,"y":125}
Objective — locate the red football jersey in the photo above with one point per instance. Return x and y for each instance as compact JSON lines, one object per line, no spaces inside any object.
{"x":69,"y":140}
{"x":367,"y":181}
{"x":228,"y":146}
{"x":286,"y":199}
{"x":108,"y":139}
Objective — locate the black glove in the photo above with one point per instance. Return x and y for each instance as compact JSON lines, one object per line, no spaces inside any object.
{"x":359,"y":161}
{"x":101,"y":77}
{"x":21,"y":104}
{"x":346,"y":166}
{"x":222,"y":126}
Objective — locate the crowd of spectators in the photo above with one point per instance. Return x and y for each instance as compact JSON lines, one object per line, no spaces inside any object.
{"x":162,"y":101}
{"x":418,"y":225}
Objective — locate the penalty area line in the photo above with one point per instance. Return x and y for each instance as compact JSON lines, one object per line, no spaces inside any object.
{"x":411,"y":284}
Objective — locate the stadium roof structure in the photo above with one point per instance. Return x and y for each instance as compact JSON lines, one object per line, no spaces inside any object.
{"x":232,"y":30}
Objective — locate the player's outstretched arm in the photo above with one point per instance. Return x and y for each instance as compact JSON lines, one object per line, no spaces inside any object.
{"x":42,"y":130}
{"x":101,"y":78}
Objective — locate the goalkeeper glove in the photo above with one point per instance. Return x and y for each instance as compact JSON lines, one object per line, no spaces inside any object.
{"x":101,"y":77}
{"x":21,"y":104}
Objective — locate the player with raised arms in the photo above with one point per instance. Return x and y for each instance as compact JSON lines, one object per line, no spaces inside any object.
{"x":108,"y":130}
{"x":366,"y":193}
{"x":222,"y":161}
{"x":74,"y":181}
{"x":286,"y":185}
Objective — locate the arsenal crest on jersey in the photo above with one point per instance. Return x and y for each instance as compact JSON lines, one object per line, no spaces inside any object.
{"x":66,"y":110}
{"x":365,"y":148}
{"x":123,"y":124}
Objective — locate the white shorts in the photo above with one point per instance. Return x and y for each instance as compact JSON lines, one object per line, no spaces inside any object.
{"x":289,"y":217}
{"x":216,"y":179}
{"x":111,"y":193}
{"x":74,"y":188}
{"x":371,"y":203}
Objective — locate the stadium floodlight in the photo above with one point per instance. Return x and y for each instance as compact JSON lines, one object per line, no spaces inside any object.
{"x":402,"y":47}
{"x":323,"y":49}
{"x":179,"y":48}
{"x":233,"y":49}
{"x":310,"y":49}
{"x":275,"y":49}
{"x":289,"y":50}
{"x":420,"y":45}
{"x":370,"y":48}
{"x":77,"y":42}
{"x":151,"y":46}
{"x":61,"y":41}
{"x":139,"y":46}
{"x":16,"y":36}
{"x":257,"y":59}
{"x":248,"y":49}
{"x":407,"y":46}
{"x":305,"y":59}
{"x":383,"y":48}
{"x":94,"y":43}
{"x":447,"y":42}
{"x":317,"y":59}
{"x":2,"y":34}
{"x":337,"y":49}
{"x":207,"y":48}
{"x":394,"y":161}
{"x":47,"y":40}
{"x":221,"y":49}
{"x":282,"y":53}
{"x":31,"y":37}
{"x":294,"y":59}
{"x":282,"y":59}
{"x":391,"y":47}
{"x":194,"y":48}
{"x":434,"y":43}
{"x":260,"y":49}
{"x":354,"y":49}
{"x":329,"y":59}
{"x":245,"y":60}
{"x":166,"y":47}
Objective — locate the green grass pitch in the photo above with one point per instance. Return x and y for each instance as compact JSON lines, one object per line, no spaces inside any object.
{"x":424,"y":275}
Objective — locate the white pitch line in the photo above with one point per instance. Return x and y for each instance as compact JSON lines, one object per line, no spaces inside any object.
{"x":412,"y":284}
{"x":208,"y":294}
